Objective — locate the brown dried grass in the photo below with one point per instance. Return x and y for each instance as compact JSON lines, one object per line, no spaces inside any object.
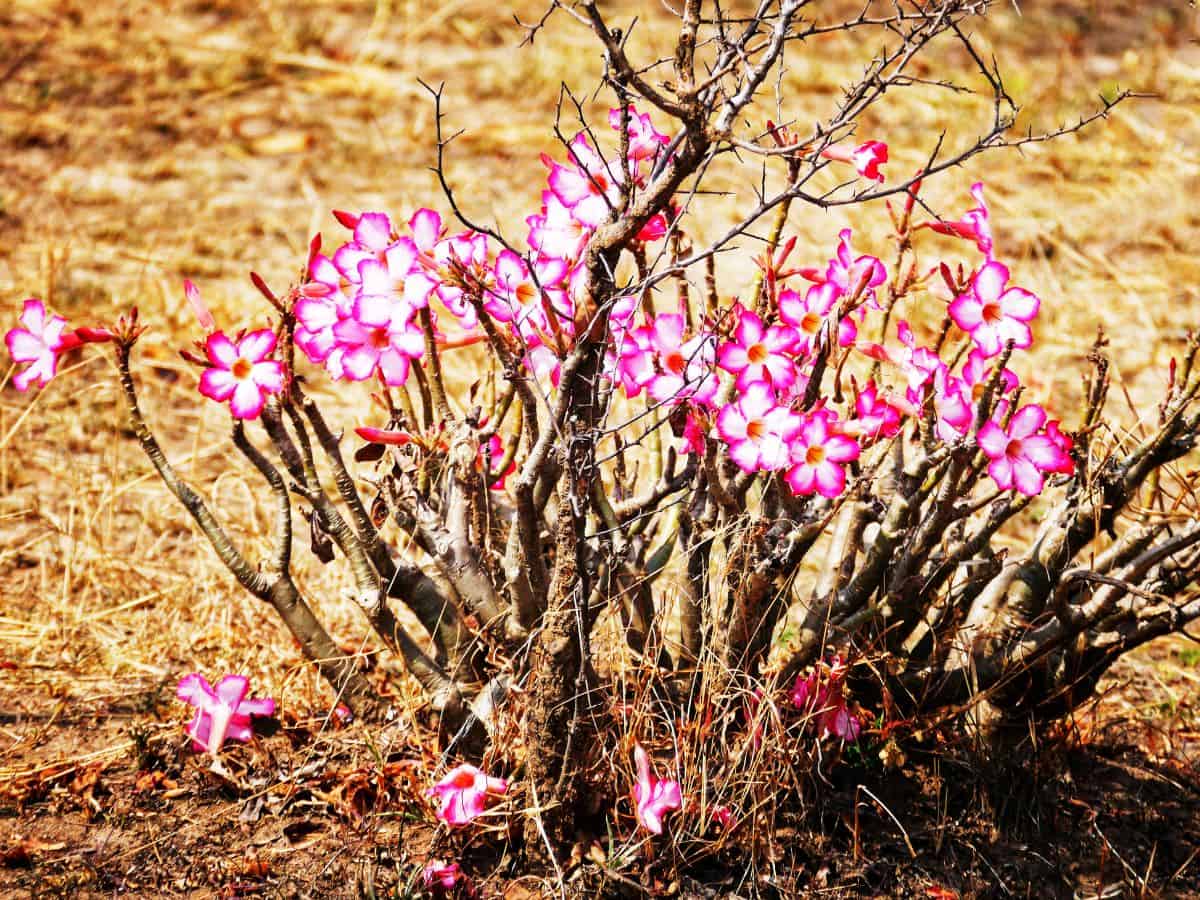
{"x":148,"y":141}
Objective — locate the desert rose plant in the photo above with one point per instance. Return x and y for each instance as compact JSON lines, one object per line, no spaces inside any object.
{"x":671,"y":538}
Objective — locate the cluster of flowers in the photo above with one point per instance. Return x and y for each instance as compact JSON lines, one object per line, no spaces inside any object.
{"x":384,"y":298}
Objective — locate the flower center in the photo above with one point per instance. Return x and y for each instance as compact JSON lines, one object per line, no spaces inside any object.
{"x":991,"y":313}
{"x":756,"y":429}
{"x":810,"y":323}
{"x":757,"y":354}
{"x":525,"y":292}
{"x":815,"y":455}
{"x":1013,"y":450}
{"x":675,"y":362}
{"x":242,"y":368}
{"x":380,"y":339}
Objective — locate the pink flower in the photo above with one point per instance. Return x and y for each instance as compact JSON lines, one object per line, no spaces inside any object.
{"x":758,"y":430}
{"x":866,"y":158}
{"x":684,"y":368}
{"x":952,"y":401}
{"x":977,"y":372}
{"x":467,"y":255}
{"x":440,"y":876}
{"x":822,"y":697}
{"x":1065,"y":443}
{"x":464,"y":794}
{"x":655,"y":229}
{"x":1020,"y":456}
{"x":975,"y":224}
{"x":918,"y":363}
{"x":554,"y":233}
{"x":242,"y":374}
{"x":222,"y":713}
{"x":876,"y":417}
{"x":528,"y":299}
{"x":590,"y":188}
{"x":397,"y":281}
{"x":426,"y":228}
{"x":373,"y":237}
{"x":387,"y":346}
{"x":491,"y":456}
{"x":993,"y":315}
{"x":653,"y":797}
{"x":39,"y":343}
{"x":724,"y":818}
{"x":808,"y":314}
{"x":324,"y":300}
{"x":853,"y":273}
{"x":631,"y":360}
{"x":818,"y":457}
{"x":760,"y":354}
{"x":693,"y":435}
{"x":645,"y":142}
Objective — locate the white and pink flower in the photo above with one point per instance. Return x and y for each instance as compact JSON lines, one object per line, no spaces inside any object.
{"x":222,"y":712}
{"x":818,"y":457}
{"x":38,"y":343}
{"x":653,"y":797}
{"x":758,"y":353}
{"x":242,"y":373}
{"x":465,"y":793}
{"x":758,"y":430}
{"x":1020,"y":455}
{"x":994,"y":314}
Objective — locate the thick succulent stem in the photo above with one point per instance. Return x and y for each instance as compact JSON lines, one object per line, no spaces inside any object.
{"x":338,"y":670}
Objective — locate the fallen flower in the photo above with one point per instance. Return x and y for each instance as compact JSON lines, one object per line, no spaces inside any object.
{"x":822,"y":696}
{"x":653,"y":797}
{"x":221,"y":712}
{"x":440,"y":876}
{"x":464,"y":793}
{"x":724,"y":817}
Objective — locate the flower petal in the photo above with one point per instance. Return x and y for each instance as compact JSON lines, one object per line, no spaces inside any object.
{"x":257,"y":345}
{"x":247,"y":400}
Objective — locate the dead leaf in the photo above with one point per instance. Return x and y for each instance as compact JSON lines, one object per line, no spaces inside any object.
{"x":255,"y":867}
{"x":19,"y":855}
{"x":303,"y":833}
{"x":152,"y":781}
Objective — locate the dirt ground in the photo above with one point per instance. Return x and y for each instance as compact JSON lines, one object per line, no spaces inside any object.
{"x":149,"y":141}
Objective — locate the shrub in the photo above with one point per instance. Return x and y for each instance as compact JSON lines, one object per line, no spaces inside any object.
{"x":840,"y":468}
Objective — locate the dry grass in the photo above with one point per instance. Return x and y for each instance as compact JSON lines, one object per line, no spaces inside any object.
{"x":148,"y":141}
